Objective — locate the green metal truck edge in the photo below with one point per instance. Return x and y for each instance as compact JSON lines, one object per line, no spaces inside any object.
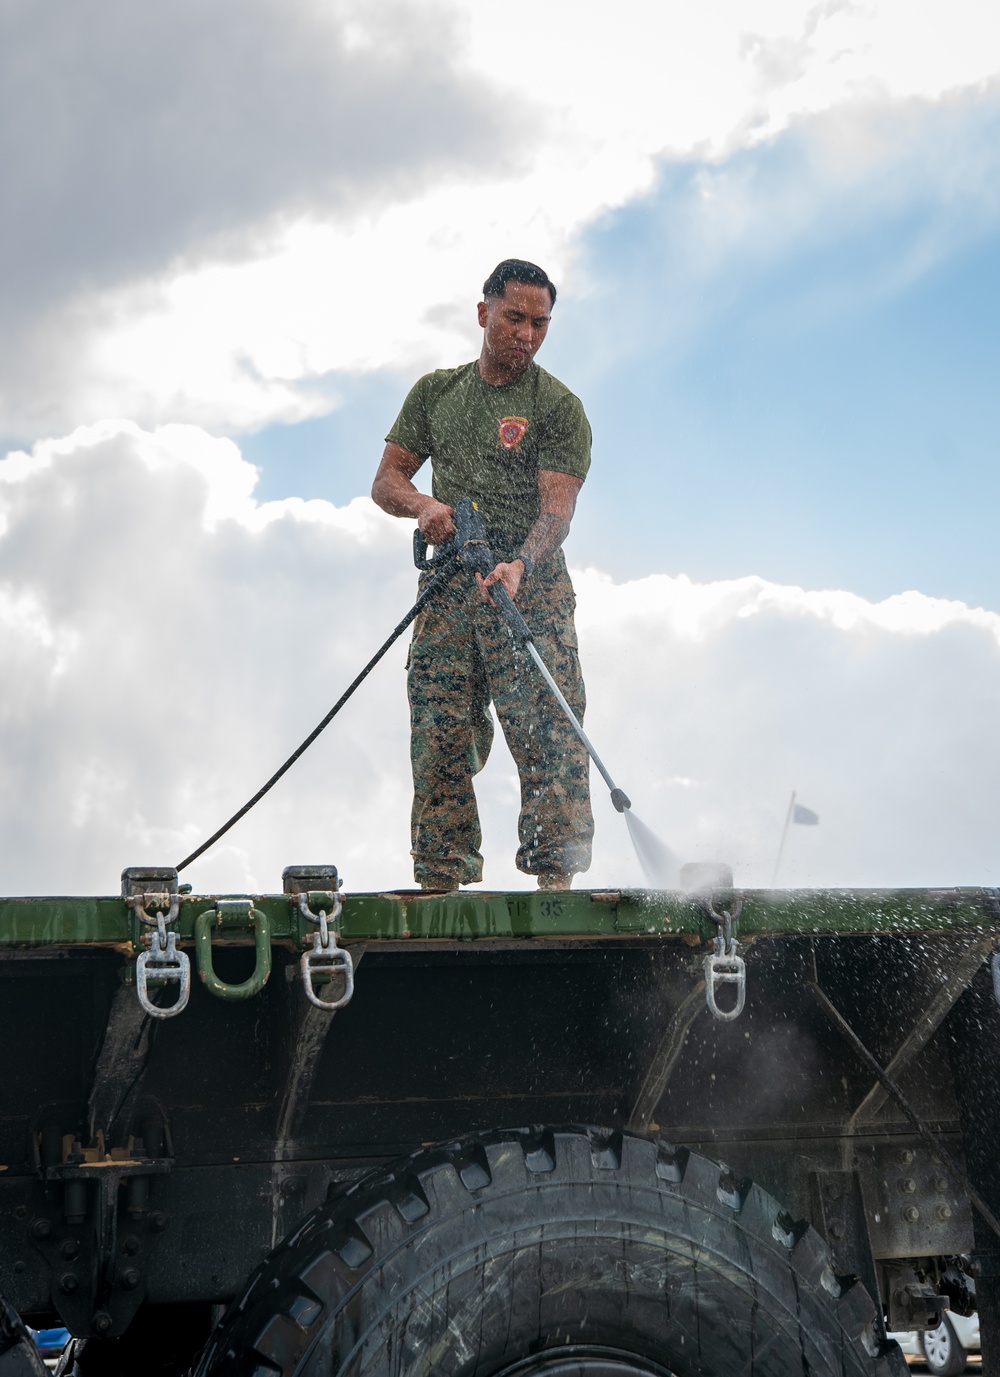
{"x":467,"y":916}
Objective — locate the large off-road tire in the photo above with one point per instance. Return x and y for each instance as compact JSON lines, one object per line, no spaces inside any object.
{"x":943,"y":1350}
{"x":576,"y":1251}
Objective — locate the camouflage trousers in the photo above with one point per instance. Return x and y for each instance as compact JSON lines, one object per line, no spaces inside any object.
{"x":462,"y":657}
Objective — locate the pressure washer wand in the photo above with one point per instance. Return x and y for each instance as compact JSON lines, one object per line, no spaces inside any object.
{"x":475,"y":554}
{"x":619,"y":797}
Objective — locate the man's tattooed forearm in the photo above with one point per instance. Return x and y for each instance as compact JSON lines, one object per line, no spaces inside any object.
{"x":545,"y":536}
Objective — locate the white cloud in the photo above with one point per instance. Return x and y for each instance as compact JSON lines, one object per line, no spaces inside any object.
{"x":168,"y":641}
{"x":699,"y":611}
{"x":200,"y":245}
{"x":878,"y":714}
{"x":135,"y":138}
{"x":137,"y":142}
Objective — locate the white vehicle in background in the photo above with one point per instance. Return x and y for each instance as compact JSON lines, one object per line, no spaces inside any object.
{"x":946,"y":1348}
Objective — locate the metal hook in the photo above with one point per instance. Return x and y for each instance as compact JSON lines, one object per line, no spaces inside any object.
{"x":329,"y":962}
{"x":326,"y":960}
{"x":724,"y":966}
{"x":725,"y":970}
{"x":161,"y":962}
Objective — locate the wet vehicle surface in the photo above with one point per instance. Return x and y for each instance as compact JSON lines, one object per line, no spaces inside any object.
{"x":666,"y":1131}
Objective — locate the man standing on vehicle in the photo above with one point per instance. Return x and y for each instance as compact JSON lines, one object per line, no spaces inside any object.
{"x":510,"y":436}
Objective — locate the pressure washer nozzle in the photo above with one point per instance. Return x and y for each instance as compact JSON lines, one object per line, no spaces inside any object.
{"x":620,"y":799}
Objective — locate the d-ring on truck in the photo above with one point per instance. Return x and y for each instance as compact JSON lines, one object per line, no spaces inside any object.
{"x":601,"y":1132}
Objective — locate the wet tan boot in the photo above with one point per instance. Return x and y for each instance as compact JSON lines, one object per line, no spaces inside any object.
{"x":554,"y":880}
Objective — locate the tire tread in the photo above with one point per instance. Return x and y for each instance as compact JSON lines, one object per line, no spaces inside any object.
{"x":377,"y":1232}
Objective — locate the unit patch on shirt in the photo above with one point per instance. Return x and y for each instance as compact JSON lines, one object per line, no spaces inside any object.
{"x":512,"y":431}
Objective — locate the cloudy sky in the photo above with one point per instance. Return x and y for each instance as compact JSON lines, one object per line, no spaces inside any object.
{"x":236,"y":231}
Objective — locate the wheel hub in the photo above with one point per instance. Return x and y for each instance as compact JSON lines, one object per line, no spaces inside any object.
{"x":937,"y":1345}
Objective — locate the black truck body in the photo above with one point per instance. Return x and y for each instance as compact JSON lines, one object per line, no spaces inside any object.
{"x":156,"y":1170}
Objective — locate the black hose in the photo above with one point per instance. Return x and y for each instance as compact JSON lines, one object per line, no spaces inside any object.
{"x":432,"y":587}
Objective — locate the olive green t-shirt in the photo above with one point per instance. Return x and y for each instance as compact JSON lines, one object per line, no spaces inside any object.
{"x":488,"y":442}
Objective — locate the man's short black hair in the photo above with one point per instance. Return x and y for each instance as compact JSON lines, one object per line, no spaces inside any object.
{"x":517,"y":270}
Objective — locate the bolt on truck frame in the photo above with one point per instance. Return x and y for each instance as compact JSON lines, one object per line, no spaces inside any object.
{"x":586,"y":1133}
